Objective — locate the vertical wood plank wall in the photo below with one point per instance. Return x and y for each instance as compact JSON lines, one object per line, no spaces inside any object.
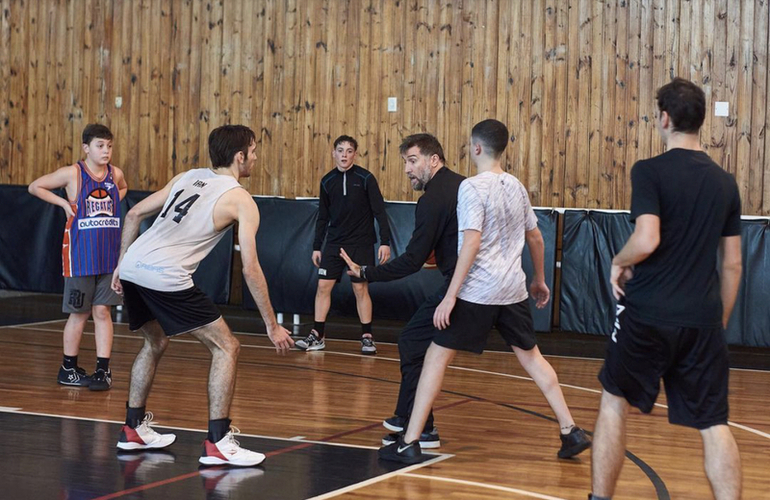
{"x":574,"y":80}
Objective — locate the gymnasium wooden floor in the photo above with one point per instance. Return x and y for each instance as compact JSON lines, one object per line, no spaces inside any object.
{"x":318,"y":416}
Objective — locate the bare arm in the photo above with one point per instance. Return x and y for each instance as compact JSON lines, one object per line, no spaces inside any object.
{"x":120,"y":181}
{"x":64,"y":177}
{"x":730,"y":274}
{"x":468,"y":252}
{"x":248,"y":224}
{"x":642,"y":243}
{"x":538,"y":289}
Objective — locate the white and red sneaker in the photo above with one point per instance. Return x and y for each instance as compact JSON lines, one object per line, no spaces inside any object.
{"x":228,"y":451}
{"x":144,"y":437}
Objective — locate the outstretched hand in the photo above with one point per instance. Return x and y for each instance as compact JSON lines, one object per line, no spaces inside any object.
{"x":280,"y":338}
{"x":354,"y":269}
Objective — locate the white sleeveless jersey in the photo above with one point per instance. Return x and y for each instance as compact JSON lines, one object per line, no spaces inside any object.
{"x":165,"y":256}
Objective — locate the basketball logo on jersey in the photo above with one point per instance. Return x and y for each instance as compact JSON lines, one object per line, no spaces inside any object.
{"x":99,"y":202}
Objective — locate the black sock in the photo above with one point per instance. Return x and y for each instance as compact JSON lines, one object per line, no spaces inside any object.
{"x":218,"y":428}
{"x":366,"y":328}
{"x":70,"y":362}
{"x":319,"y":327}
{"x":134,"y":416}
{"x":594,"y":497}
{"x":103,"y":363}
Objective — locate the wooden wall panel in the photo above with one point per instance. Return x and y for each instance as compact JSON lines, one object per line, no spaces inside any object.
{"x":574,"y":80}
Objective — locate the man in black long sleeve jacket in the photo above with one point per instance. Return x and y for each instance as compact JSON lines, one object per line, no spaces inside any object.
{"x":435,"y":230}
{"x":349,"y":201}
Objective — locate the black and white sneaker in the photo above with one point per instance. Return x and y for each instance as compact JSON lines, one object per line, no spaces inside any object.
{"x":74,"y":377}
{"x":311,"y":343}
{"x":573,"y":443}
{"x":368,"y":346}
{"x":394,"y":423}
{"x":406,"y":453}
{"x":427,"y":439}
{"x":101,"y":380}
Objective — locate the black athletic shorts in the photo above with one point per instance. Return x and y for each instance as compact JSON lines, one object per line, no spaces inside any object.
{"x":692,"y":362}
{"x":176,"y":312}
{"x":470,"y":324}
{"x":332,"y":265}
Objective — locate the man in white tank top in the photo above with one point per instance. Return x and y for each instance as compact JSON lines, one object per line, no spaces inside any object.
{"x":488,"y":289}
{"x":154,"y":275}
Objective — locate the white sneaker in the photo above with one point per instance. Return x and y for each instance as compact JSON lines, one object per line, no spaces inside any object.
{"x":224,"y":481}
{"x":228,"y":451}
{"x":311,"y":343}
{"x":144,"y":437}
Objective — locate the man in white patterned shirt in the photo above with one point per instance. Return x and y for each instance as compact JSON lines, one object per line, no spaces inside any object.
{"x":488,"y":289}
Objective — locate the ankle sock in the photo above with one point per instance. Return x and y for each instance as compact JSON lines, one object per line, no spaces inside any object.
{"x":319,"y":326}
{"x":103,"y":363}
{"x":366,"y":329}
{"x":69,"y":362}
{"x":134,"y":416}
{"x":218,"y":428}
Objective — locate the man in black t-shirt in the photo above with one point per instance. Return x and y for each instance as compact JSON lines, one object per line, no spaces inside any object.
{"x":675,"y":297}
{"x":349,"y":201}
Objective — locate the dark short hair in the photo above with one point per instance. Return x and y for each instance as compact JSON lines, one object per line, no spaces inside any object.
{"x":684,"y":102}
{"x":96,"y":131}
{"x":427,"y":143}
{"x":226,"y":141}
{"x":493,"y":134}
{"x":346,"y":138}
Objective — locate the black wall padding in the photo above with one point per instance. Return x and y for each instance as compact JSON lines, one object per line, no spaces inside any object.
{"x":592,"y":238}
{"x":31,"y":232}
{"x":284,"y":245}
{"x":590,"y":241}
{"x":214,"y":274}
{"x":547,"y":222}
{"x":750,"y":322}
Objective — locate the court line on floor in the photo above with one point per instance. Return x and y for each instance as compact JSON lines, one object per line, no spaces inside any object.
{"x":506,"y":489}
{"x":383,"y":477}
{"x":437,"y":457}
{"x":22,"y":325}
{"x":451,"y":367}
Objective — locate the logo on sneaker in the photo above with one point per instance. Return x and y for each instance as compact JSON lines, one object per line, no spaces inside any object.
{"x":402,"y":449}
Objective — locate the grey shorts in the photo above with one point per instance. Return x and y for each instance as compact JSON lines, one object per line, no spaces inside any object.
{"x":83,"y":292}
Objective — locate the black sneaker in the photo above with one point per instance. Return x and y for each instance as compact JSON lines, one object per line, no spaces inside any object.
{"x":73,"y":376}
{"x":573,"y":443}
{"x":401,"y":452}
{"x":427,"y":439}
{"x":394,"y":423}
{"x":101,"y":380}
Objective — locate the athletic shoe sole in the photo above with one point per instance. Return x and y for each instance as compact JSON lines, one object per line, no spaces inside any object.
{"x":131,"y":446}
{"x":238,"y":463}
{"x":425,"y":445}
{"x":571,"y":452}
{"x":392,"y":427}
{"x":75,"y":384}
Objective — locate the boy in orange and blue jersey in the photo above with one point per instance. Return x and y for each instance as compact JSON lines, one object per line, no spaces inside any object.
{"x":90,"y":250}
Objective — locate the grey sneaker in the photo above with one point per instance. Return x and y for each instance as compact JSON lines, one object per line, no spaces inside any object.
{"x":368,"y":346}
{"x":311,"y":343}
